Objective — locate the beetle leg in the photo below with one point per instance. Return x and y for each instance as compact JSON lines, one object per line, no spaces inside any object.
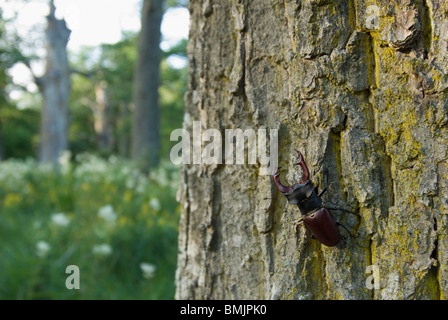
{"x":280,"y":187}
{"x":322,"y":192}
{"x":346,"y":229}
{"x":326,"y":185}
{"x":301,"y":162}
{"x":340,"y":224}
{"x":344,"y":210}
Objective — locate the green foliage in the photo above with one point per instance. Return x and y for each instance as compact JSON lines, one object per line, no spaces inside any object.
{"x":18,"y":128}
{"x":176,"y":3}
{"x":19,"y":131}
{"x":113,"y":65}
{"x":116,"y":224}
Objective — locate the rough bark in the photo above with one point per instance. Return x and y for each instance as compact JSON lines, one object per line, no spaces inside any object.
{"x":363,"y":93}
{"x":145,"y":126}
{"x":55,"y":88}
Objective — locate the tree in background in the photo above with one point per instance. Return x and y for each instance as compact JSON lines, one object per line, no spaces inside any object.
{"x":146,"y":115}
{"x":3,"y":80}
{"x":109,"y":67}
{"x":18,"y":128}
{"x":101,"y":97}
{"x":113,"y":66}
{"x":55,"y":88}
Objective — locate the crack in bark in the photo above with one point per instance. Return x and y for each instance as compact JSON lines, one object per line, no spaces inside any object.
{"x":427,"y":30}
{"x":435,"y":256}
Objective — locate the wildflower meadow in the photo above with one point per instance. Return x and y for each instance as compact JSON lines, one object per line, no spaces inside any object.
{"x":116,"y":224}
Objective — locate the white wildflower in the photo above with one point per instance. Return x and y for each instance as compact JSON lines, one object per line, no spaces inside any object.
{"x":42,"y":248}
{"x":90,"y":167}
{"x":141,"y":184}
{"x":107,"y":213}
{"x":148,"y":270}
{"x":60,"y":219}
{"x":103,"y":249}
{"x":64,"y":158}
{"x":154,"y":203}
{"x":125,"y":170}
{"x":161,"y":176}
{"x":133,"y":179}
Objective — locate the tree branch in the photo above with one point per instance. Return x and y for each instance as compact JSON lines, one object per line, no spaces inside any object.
{"x":86,"y":74}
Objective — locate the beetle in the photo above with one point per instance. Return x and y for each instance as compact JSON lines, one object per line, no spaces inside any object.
{"x":316,"y":217}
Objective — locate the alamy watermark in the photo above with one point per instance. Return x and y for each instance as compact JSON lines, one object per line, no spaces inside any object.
{"x":73,"y":280}
{"x":229,"y":148}
{"x":388,"y":284}
{"x":373,"y":280}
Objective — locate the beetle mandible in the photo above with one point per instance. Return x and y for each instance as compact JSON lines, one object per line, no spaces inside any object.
{"x":316,"y":217}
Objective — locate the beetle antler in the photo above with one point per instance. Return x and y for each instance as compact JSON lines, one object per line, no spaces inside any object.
{"x":306,"y":173}
{"x":280,"y":187}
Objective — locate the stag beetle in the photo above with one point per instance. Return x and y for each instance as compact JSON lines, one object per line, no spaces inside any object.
{"x":317,"y":218}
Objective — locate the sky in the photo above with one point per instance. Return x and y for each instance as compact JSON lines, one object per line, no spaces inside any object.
{"x":92,"y":22}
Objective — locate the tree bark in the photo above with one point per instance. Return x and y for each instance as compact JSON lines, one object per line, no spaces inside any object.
{"x":361,"y":91}
{"x":55,"y":88}
{"x":145,"y":127}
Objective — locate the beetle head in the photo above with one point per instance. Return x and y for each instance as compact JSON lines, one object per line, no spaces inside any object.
{"x":303,"y":180}
{"x":306,"y":173}
{"x":279,"y":185}
{"x":299,"y":191}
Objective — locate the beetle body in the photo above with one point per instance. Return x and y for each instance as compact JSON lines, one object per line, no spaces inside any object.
{"x":322,"y":225}
{"x":317,"y":218}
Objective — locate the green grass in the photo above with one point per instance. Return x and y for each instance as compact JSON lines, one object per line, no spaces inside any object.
{"x":103,"y":216}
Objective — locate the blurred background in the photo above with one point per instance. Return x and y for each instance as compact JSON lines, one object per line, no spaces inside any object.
{"x":90,"y":91}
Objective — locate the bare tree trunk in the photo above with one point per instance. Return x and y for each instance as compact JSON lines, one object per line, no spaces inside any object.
{"x":55,"y":88}
{"x":101,"y":112}
{"x":145,"y":127}
{"x":361,"y":90}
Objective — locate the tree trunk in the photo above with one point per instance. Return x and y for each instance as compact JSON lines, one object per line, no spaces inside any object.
{"x":55,"y":88}
{"x":101,"y":112}
{"x":145,"y":127}
{"x":362,"y":92}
